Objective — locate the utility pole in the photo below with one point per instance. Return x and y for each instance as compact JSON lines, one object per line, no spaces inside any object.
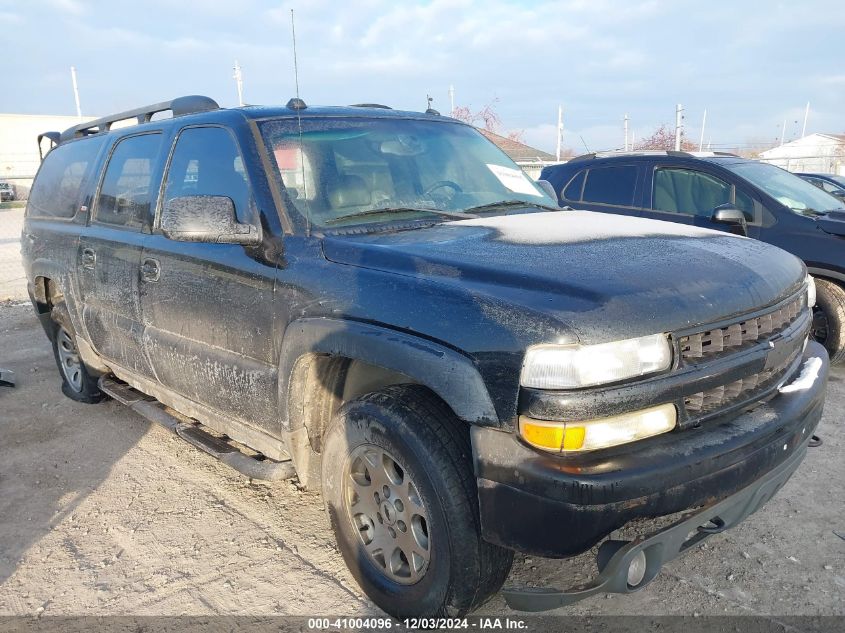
{"x":703,"y":124}
{"x":783,"y":132}
{"x":678,"y":110}
{"x":806,"y":114}
{"x":559,"y":131}
{"x":239,"y":81}
{"x":626,"y":131}
{"x":75,"y":91}
{"x":452,"y":99}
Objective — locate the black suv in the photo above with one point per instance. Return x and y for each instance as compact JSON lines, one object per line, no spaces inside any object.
{"x":728,"y":193}
{"x":383,"y":305}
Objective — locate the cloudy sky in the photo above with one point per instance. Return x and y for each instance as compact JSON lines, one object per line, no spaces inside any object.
{"x":752,"y":64}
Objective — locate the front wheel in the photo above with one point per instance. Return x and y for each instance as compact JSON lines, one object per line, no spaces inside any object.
{"x":829,"y":318}
{"x":400,"y":492}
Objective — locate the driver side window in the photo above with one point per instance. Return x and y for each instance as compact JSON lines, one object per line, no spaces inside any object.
{"x":127,"y":190}
{"x":688,"y":192}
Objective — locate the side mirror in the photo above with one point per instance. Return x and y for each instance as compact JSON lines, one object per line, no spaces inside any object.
{"x":546,"y":186}
{"x":206,"y":219}
{"x":730,"y":215}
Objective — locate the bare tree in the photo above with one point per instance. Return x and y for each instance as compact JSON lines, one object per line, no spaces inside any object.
{"x":663,"y":138}
{"x":488,"y":119}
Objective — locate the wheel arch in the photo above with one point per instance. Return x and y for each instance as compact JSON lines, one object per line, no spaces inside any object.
{"x":325,"y":362}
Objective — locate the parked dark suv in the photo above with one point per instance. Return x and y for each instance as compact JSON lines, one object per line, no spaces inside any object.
{"x":726,"y":193}
{"x":383,"y":305}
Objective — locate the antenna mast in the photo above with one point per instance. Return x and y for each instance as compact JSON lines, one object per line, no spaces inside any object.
{"x":295,"y":66}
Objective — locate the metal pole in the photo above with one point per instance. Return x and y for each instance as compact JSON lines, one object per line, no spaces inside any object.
{"x":783,"y":132}
{"x":703,"y":124}
{"x":806,"y":114}
{"x":239,"y":81}
{"x":76,"y":92}
{"x":452,"y":99}
{"x":678,"y":110}
{"x":559,"y":130}
{"x":626,"y":131}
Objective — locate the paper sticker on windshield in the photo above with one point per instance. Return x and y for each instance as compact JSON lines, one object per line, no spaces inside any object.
{"x":514,"y":179}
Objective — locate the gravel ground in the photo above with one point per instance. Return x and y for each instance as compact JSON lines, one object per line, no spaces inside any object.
{"x":103,"y":513}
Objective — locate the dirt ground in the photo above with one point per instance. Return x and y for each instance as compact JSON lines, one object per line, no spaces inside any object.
{"x":103,"y":513}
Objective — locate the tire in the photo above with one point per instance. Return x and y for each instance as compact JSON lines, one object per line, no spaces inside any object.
{"x":78,"y":383}
{"x":829,"y":318}
{"x":407,"y":439}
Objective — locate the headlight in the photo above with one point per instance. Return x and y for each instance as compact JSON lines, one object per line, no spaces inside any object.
{"x":574,"y":437}
{"x":573,"y":366}
{"x":811,"y":291}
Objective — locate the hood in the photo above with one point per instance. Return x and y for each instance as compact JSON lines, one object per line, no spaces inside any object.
{"x":603,"y":276}
{"x":832,"y":222}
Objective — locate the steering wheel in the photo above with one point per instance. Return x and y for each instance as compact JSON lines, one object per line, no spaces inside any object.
{"x":441,"y":184}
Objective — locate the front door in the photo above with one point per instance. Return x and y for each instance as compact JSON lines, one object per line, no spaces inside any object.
{"x":208,"y":308}
{"x":109,"y":252}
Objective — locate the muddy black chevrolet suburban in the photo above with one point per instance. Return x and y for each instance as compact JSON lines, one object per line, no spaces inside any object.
{"x":381,"y":304}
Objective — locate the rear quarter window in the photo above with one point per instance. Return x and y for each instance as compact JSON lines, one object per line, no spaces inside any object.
{"x":611,"y":185}
{"x":572,"y":191}
{"x":57,"y":190}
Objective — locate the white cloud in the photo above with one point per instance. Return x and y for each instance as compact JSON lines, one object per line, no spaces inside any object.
{"x":73,"y":7}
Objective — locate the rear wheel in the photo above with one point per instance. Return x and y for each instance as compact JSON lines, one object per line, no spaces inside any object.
{"x":829,"y":318}
{"x":77,"y":383}
{"x":400,"y":492}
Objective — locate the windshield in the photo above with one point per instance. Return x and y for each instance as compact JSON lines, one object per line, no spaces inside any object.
{"x":357,"y":170}
{"x":839,"y":180}
{"x":788,"y":189}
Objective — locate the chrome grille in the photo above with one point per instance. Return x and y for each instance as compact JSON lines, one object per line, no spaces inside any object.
{"x":738,"y":335}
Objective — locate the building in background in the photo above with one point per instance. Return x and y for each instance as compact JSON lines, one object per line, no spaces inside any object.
{"x":19,"y":149}
{"x":816,"y":153}
{"x":531,"y":159}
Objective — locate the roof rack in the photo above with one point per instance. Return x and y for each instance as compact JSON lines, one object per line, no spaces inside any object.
{"x":650,"y":152}
{"x":180,"y":106}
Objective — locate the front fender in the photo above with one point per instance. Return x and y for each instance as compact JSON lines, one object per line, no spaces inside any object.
{"x":448,"y":373}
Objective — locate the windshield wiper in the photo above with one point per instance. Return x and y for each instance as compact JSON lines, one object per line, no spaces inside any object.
{"x":386,"y":210}
{"x":503,"y":204}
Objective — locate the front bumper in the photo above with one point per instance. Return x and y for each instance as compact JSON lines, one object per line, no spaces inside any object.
{"x":664,"y":545}
{"x":556,"y":507}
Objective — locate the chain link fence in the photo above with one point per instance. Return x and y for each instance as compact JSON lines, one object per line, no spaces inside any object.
{"x":12,"y":277}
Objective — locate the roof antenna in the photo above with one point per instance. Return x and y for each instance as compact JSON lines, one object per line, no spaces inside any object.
{"x":299,"y":105}
{"x":585,"y":144}
{"x":295,"y":66}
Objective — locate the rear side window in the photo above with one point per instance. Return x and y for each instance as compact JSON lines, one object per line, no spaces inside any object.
{"x":207,"y":162}
{"x":611,"y":185}
{"x":127,"y":190}
{"x":573,"y":189}
{"x":56,"y":191}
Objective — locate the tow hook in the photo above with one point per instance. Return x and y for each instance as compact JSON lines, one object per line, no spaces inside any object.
{"x":815,"y":441}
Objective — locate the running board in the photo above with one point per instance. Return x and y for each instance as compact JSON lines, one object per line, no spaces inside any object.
{"x":195,"y":434}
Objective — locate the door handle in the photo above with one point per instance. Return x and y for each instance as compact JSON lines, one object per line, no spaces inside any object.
{"x":89,"y":258}
{"x":150,"y":269}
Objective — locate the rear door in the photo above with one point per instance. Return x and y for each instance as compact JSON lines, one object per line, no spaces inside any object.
{"x":109,"y":252}
{"x":208,"y":308}
{"x":690,"y":195}
{"x":607,"y":188}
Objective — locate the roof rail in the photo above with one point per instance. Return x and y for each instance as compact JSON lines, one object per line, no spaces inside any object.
{"x":370,"y":105}
{"x":180,"y":106}
{"x":650,"y":152}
